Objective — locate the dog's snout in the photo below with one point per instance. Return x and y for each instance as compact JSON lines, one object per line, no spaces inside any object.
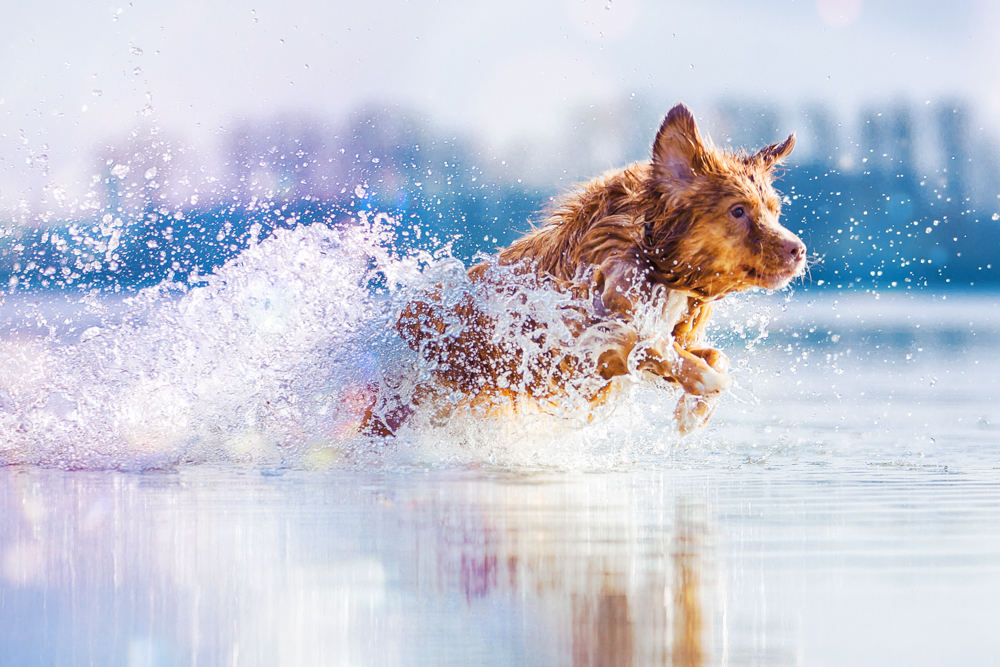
{"x":795,"y":250}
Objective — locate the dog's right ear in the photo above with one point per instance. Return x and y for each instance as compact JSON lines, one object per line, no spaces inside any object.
{"x":678,"y":150}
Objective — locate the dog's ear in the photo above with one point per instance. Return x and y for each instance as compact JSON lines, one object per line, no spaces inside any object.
{"x":678,"y":150}
{"x":771,"y":155}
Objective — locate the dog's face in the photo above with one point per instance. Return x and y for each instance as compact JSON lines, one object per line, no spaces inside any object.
{"x":719,"y":212}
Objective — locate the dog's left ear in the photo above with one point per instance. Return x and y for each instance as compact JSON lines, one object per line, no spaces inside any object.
{"x":679,"y":154}
{"x":771,"y":155}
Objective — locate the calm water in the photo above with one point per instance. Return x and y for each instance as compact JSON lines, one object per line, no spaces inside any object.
{"x":843,"y":508}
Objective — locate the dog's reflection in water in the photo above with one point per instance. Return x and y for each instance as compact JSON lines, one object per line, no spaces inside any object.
{"x":687,"y":645}
{"x":594,"y":589}
{"x":607,"y":629}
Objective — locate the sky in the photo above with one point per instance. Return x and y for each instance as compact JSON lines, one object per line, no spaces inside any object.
{"x":77,"y":75}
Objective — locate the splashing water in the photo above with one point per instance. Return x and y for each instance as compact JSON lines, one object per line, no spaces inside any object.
{"x":273,"y":360}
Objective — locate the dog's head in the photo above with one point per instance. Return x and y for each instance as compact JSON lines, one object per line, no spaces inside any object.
{"x":714,"y":225}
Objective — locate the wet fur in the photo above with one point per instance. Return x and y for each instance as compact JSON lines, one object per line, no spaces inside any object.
{"x":663,"y":233}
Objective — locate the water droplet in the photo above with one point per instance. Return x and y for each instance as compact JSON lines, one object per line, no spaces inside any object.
{"x":360,"y":192}
{"x":150,"y":173}
{"x":135,"y":51}
{"x":995,"y":217}
{"x":120,"y":170}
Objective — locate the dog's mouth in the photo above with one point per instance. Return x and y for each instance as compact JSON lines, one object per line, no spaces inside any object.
{"x":773,"y":279}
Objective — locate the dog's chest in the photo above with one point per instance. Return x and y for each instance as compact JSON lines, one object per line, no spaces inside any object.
{"x":663,"y":312}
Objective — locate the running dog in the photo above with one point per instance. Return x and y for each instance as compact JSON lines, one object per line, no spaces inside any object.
{"x":648,"y":249}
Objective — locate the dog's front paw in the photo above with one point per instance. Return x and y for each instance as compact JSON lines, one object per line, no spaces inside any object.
{"x":692,"y":412}
{"x":714,"y":358}
{"x":703,"y":380}
{"x":698,"y":376}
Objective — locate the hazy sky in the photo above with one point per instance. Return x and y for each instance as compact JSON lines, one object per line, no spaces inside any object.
{"x":76,"y":74}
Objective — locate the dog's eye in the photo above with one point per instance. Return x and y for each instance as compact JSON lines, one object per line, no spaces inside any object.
{"x":737,"y":212}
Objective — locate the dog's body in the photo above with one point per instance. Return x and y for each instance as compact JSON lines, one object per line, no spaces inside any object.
{"x":647,"y":249}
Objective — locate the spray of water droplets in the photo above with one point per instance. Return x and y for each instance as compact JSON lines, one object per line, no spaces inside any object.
{"x":274,"y":359}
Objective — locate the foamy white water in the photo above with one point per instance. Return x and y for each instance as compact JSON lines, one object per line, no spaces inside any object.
{"x":258,"y":363}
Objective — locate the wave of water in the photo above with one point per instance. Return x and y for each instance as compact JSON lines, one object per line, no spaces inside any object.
{"x":271,"y":360}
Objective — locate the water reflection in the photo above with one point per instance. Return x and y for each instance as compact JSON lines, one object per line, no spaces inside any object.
{"x":687,"y":649}
{"x":678,"y":567}
{"x":212,"y":567}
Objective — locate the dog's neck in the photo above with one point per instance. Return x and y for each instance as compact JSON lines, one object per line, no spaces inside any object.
{"x":663,"y":266}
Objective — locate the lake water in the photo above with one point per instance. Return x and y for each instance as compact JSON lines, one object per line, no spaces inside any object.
{"x":842,"y":507}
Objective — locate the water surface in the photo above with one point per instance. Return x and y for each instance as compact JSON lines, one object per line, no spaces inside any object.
{"x":842,"y":508}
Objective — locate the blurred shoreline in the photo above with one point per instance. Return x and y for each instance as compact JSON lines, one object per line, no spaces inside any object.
{"x":908,"y":197}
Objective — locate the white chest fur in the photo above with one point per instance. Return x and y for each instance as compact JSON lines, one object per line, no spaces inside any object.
{"x":658,"y":318}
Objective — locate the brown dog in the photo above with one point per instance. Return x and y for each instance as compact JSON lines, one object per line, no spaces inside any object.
{"x":642,"y":252}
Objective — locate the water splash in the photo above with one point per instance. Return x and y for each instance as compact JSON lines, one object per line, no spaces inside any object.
{"x":274,"y":359}
{"x":250,"y":365}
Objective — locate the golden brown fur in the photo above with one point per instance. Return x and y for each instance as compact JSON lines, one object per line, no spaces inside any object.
{"x":673,"y":235}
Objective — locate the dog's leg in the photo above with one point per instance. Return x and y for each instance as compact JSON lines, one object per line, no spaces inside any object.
{"x":714,"y":358}
{"x":688,"y":369}
{"x":693,"y":411}
{"x":703,"y":374}
{"x":699,"y":372}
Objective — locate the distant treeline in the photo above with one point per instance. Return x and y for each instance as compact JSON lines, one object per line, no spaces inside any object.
{"x":880,"y":225}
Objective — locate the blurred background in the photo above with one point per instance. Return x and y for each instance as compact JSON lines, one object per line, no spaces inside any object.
{"x":842,"y":508}
{"x":144,"y":141}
